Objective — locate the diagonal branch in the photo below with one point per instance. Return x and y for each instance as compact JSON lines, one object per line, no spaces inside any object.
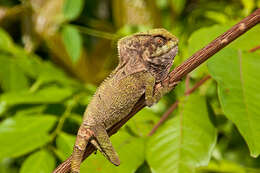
{"x":182,"y":70}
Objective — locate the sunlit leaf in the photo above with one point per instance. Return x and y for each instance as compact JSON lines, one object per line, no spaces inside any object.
{"x":249,"y":5}
{"x":46,"y":95}
{"x":184,"y":142}
{"x":12,"y":77}
{"x":6,"y":42}
{"x":7,"y":167}
{"x":237,"y":74}
{"x":224,"y":166}
{"x":131,"y":153}
{"x":72,"y":41}
{"x":65,"y":143}
{"x":143,"y":122}
{"x":23,"y":134}
{"x":39,"y":162}
{"x":72,"y":8}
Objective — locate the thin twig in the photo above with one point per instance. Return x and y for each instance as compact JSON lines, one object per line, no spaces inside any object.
{"x":179,"y":72}
{"x":96,"y":33}
{"x":197,"y":85}
{"x":254,"y":49}
{"x":164,"y":117}
{"x":187,"y":82}
{"x":175,"y":105}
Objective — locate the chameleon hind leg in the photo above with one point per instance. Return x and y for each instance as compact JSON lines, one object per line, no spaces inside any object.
{"x":102,"y":142}
{"x":84,"y":135}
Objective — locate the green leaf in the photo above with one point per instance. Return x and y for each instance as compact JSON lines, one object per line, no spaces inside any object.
{"x":184,"y":142}
{"x":7,"y":45}
{"x":43,"y":96}
{"x":72,"y":41}
{"x":225,"y":167}
{"x":12,"y":77}
{"x":46,"y":95}
{"x":39,"y":162}
{"x":216,"y":16}
{"x":249,"y":5}
{"x":6,"y":166}
{"x":237,"y":74}
{"x":22,"y":134}
{"x":72,"y":9}
{"x":47,"y":69}
{"x":143,"y":122}
{"x":144,"y":168}
{"x":6,"y":42}
{"x":131,"y":153}
{"x":65,"y":143}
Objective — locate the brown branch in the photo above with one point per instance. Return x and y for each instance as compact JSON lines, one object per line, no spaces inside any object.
{"x":179,"y":72}
{"x":187,"y":82}
{"x":175,"y":105}
{"x":197,"y":85}
{"x":164,"y":117}
{"x":254,"y":49}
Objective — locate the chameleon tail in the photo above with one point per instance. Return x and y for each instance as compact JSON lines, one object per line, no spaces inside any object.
{"x":79,"y":148}
{"x":104,"y":145}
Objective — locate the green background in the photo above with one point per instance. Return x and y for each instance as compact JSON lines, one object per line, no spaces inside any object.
{"x":54,"y":54}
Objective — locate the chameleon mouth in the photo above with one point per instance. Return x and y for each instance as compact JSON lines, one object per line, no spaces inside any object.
{"x":172,"y":52}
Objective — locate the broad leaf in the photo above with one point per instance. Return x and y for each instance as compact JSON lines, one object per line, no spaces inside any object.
{"x":23,"y":134}
{"x":143,"y":122}
{"x":6,"y":166}
{"x":6,"y":42}
{"x":72,"y":9}
{"x":12,"y":77}
{"x":131,"y":153}
{"x":39,"y":162}
{"x":45,"y":95}
{"x":237,"y":74}
{"x":184,"y":142}
{"x":65,"y":143}
{"x":225,"y":167}
{"x":72,"y":41}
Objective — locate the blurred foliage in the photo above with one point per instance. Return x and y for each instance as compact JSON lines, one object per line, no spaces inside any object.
{"x":54,"y":53}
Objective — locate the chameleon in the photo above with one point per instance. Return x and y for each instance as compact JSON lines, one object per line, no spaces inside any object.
{"x":145,"y":59}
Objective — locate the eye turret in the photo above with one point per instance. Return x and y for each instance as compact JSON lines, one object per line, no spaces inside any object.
{"x":159,"y":41}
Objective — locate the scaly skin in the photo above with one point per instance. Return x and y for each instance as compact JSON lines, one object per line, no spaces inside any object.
{"x":144,"y":60}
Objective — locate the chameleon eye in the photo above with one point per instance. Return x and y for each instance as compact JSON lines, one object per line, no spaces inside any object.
{"x":159,"y":40}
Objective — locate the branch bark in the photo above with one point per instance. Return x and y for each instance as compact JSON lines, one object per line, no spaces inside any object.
{"x":182,"y":70}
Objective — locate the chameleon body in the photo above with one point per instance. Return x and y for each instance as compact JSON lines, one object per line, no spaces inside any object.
{"x":144,"y":60}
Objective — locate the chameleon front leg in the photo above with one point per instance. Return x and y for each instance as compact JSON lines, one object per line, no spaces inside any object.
{"x":152,"y":97}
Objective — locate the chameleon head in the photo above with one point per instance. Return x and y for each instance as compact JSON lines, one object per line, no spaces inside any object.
{"x":154,"y":49}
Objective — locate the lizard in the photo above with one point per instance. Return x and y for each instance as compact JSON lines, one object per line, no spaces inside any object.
{"x":145,"y":59}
